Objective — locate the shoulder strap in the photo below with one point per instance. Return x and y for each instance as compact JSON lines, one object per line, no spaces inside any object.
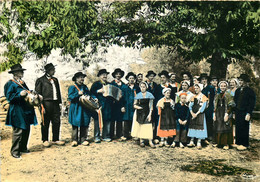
{"x":20,"y":85}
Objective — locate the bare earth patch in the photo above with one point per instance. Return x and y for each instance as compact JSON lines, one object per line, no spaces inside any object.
{"x":124,"y":161}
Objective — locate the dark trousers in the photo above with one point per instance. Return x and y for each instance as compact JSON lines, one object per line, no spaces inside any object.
{"x":209,"y":122}
{"x":79,"y":134}
{"x":127,"y":126}
{"x":116,"y":126}
{"x":242,"y":129}
{"x":155,"y":121}
{"x":52,"y":114}
{"x":106,"y":130}
{"x":20,"y":139}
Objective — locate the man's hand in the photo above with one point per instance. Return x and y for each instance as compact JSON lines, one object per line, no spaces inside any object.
{"x":122,"y":109}
{"x":23,"y":93}
{"x":247,"y":118}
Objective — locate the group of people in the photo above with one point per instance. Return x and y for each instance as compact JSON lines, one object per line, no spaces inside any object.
{"x":165,"y":114}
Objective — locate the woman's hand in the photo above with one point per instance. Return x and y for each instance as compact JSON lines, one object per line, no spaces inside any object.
{"x":226,"y":117}
{"x":193,"y":115}
{"x":214,"y":117}
{"x":149,"y":118}
{"x":137,"y":107}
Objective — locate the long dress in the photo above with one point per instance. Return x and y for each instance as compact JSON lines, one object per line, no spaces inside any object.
{"x":166,"y":125}
{"x":198,"y":126}
{"x":224,"y":130}
{"x":141,"y":128}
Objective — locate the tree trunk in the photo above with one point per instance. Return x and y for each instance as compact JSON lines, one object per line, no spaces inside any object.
{"x":218,"y":66}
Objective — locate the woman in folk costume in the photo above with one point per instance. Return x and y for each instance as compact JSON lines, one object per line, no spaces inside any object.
{"x":167,"y":124}
{"x":79,"y":116}
{"x":245,"y":100}
{"x":233,"y":85}
{"x":129,"y":93}
{"x":182,"y":120}
{"x":20,"y":114}
{"x":117,"y":108}
{"x":223,"y":104}
{"x":174,"y":85}
{"x":198,"y":126}
{"x":106,"y":107}
{"x":185,"y":86}
{"x":188,"y":77}
{"x":142,"y":120}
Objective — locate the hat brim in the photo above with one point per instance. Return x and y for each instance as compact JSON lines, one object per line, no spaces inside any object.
{"x":12,"y":71}
{"x":53,"y":67}
{"x":121,"y":72}
{"x":74,"y":77}
{"x":103,"y":73}
{"x":150,"y":74}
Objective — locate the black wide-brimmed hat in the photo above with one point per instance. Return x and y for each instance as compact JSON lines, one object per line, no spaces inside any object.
{"x":78,"y":74}
{"x":49,"y":66}
{"x":187,"y":73}
{"x":139,"y":74}
{"x":203,"y":75}
{"x":102,"y":71}
{"x":130,"y":74}
{"x":213,"y":78}
{"x":118,"y":70}
{"x":244,"y":77}
{"x":16,"y":67}
{"x":165,"y":73}
{"x":150,"y":73}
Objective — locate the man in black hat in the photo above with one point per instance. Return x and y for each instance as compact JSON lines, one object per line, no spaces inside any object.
{"x":20,"y":114}
{"x":79,"y":115}
{"x":106,"y":104}
{"x":129,"y":92}
{"x":245,"y":99}
{"x":139,"y":78}
{"x":48,"y":87}
{"x":151,"y":84}
{"x":118,"y":106}
{"x":209,"y":92}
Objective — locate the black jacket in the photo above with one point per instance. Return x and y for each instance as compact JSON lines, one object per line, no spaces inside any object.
{"x":44,"y":87}
{"x":245,"y":100}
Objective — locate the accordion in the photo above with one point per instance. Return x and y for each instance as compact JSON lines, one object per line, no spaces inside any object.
{"x":32,"y":99}
{"x":112,"y":91}
{"x":88,"y":102}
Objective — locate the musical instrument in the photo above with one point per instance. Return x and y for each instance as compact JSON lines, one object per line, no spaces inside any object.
{"x":32,"y":99}
{"x":89,"y":102}
{"x":112,"y":91}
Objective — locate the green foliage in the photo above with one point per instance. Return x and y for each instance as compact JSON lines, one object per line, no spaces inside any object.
{"x":14,"y":55}
{"x":196,"y":30}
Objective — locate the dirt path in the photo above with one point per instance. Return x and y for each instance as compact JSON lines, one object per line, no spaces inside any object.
{"x":117,"y":161}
